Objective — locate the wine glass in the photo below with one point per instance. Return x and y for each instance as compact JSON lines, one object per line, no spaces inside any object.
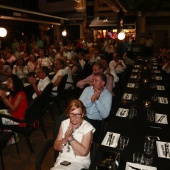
{"x":123,"y":142}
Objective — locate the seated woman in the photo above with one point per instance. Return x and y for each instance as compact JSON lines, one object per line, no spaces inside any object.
{"x":74,"y":139}
{"x":20,"y":69}
{"x":17,"y":101}
{"x":32,"y":63}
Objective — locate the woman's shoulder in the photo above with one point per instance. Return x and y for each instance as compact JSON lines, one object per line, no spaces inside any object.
{"x":86,"y":126}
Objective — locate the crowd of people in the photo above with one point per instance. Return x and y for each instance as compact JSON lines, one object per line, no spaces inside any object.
{"x":96,"y":72}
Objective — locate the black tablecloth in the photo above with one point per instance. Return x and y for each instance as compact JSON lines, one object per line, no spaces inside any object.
{"x":138,"y":127}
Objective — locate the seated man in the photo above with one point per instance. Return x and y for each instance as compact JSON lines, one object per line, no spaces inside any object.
{"x":42,"y":74}
{"x":5,"y":71}
{"x":60,"y":72}
{"x":118,"y":65}
{"x":109,"y":71}
{"x":97,"y":68}
{"x":97,"y":100}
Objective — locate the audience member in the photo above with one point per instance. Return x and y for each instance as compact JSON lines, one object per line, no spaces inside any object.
{"x":53,"y":56}
{"x":97,"y":68}
{"x":97,"y":100}
{"x":5,"y":71}
{"x":42,"y":74}
{"x":111,"y":72}
{"x":72,"y":146}
{"x":116,"y":64}
{"x":59,"y":73}
{"x":32,"y":63}
{"x":17,"y":101}
{"x":20,"y":69}
{"x":43,"y":61}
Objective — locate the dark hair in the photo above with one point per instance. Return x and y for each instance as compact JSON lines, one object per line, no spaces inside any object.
{"x":77,"y":104}
{"x":102,"y":76}
{"x":62,"y":62}
{"x":98,"y":64}
{"x":45,"y":70}
{"x":17,"y":85}
{"x":22,"y":60}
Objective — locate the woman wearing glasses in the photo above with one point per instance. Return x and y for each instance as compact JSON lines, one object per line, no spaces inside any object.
{"x":74,"y":139}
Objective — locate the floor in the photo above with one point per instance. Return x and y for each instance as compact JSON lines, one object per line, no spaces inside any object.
{"x":26,"y":160}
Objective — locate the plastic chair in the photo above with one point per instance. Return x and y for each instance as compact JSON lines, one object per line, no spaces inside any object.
{"x":29,"y":123}
{"x":61,"y":93}
{"x":4,"y":138}
{"x":46,"y":95}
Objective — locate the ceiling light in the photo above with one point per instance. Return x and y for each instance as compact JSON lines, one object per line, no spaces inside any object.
{"x":3,"y":32}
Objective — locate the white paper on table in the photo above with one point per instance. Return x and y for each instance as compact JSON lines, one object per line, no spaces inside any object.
{"x":159,"y":87}
{"x":115,"y":136}
{"x":155,"y":67}
{"x":127,"y":96}
{"x":163,"y":100}
{"x":157,"y":71}
{"x":135,"y":70}
{"x":4,"y":111}
{"x":131,"y":85}
{"x":161,"y":149}
{"x":122,"y":112}
{"x":26,"y":84}
{"x":158,"y":77}
{"x":141,"y":167}
{"x":163,"y":117}
{"x":133,"y":76}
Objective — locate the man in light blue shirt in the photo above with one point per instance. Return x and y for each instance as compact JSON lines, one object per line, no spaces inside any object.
{"x":97,"y":100}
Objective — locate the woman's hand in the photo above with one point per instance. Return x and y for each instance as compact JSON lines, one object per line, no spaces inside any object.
{"x":69,"y":132}
{"x":2,"y":94}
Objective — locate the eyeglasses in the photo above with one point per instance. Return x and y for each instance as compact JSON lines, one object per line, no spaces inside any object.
{"x":76,"y":115}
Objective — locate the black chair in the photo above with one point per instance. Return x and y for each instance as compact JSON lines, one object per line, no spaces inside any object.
{"x":46,"y":95}
{"x":29,"y":123}
{"x":50,"y":143}
{"x":61,"y":93}
{"x":4,"y":138}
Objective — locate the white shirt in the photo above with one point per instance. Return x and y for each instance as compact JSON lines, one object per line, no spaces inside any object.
{"x":119,"y":69}
{"x":69,"y":79}
{"x":41,"y":85}
{"x":44,"y":62}
{"x":59,"y":73}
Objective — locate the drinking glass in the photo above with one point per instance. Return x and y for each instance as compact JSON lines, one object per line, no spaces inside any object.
{"x":150,"y":115}
{"x":155,"y":97}
{"x":148,"y":159}
{"x":148,"y":149}
{"x":149,"y":140}
{"x":123,"y":142}
{"x":132,"y":113}
{"x":138,"y":158}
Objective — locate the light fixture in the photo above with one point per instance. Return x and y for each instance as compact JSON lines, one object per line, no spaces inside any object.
{"x":3,"y":32}
{"x":64,"y":33}
{"x":121,"y":35}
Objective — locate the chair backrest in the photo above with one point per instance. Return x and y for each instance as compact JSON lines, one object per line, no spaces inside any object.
{"x":61,"y":86}
{"x":34,"y":110}
{"x":46,"y":93}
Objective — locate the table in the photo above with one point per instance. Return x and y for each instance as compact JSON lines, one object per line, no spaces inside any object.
{"x":139,"y":127}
